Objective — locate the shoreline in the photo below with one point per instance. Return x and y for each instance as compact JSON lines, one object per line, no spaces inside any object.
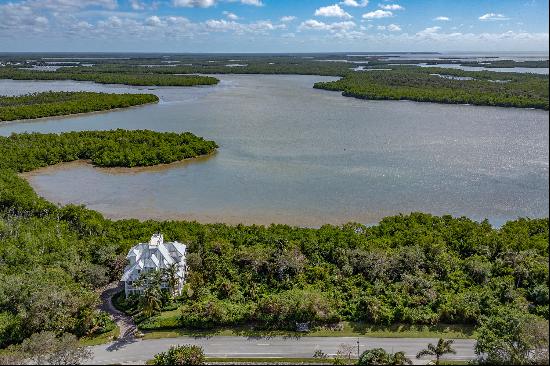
{"x":116,"y":170}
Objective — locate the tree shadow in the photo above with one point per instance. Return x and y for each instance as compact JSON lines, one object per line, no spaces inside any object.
{"x":121,"y":343}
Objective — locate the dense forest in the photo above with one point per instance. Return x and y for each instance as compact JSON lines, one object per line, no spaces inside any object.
{"x":411,"y":269}
{"x":37,"y":105}
{"x":53,"y":258}
{"x":139,"y":78}
{"x":446,"y":86}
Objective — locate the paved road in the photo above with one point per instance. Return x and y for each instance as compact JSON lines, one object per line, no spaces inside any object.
{"x":134,"y":351}
{"x":125,"y":323}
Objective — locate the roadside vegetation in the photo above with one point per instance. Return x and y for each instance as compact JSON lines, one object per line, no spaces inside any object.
{"x":181,"y":355}
{"x":446,"y":86}
{"x":48,"y":104}
{"x":168,"y":322}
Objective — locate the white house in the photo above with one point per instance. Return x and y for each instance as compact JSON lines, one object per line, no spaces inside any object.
{"x":154,"y":256}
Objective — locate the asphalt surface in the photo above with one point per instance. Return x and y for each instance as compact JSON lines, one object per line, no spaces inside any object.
{"x":125,"y":323}
{"x":135,"y":351}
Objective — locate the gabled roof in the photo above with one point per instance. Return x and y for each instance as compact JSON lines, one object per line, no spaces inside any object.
{"x":153,"y":255}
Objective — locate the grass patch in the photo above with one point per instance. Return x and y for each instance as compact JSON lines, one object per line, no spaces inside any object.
{"x":167,"y":328}
{"x":165,"y":320}
{"x":98,"y":339}
{"x":351,"y":329}
{"x":292,"y":361}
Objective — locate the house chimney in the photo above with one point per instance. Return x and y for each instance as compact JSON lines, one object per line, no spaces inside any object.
{"x":156,"y":239}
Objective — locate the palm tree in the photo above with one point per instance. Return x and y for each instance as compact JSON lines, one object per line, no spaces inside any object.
{"x":171,"y":274}
{"x":443,"y":347}
{"x":399,"y":358}
{"x":150,"y":301}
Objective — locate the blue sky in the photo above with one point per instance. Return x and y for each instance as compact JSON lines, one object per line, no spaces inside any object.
{"x":273,"y":25}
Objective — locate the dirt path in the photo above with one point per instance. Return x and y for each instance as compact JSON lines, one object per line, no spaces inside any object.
{"x":125,"y":323}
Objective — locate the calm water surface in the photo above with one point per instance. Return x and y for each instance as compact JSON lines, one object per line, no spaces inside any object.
{"x":292,"y":154}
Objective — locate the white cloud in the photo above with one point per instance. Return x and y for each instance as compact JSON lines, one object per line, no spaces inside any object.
{"x":58,"y":5}
{"x":428,"y":32}
{"x":194,"y":3}
{"x":111,"y":22}
{"x":258,"y":27}
{"x":231,"y":16}
{"x":209,"y":3}
{"x":288,"y":18}
{"x":391,"y":27}
{"x":354,"y":3}
{"x":391,"y":7}
{"x":41,"y":21}
{"x":222,"y":25}
{"x":153,"y":21}
{"x":493,"y":16}
{"x":442,"y":18}
{"x":341,"y":26}
{"x":264,"y":25}
{"x":83,"y":25}
{"x":252,"y":2}
{"x":394,"y":28}
{"x":137,"y":5}
{"x":332,"y":11}
{"x":312,"y":24}
{"x":377,"y":14}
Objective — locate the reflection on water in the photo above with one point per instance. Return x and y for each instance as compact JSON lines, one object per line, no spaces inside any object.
{"x":292,"y":154}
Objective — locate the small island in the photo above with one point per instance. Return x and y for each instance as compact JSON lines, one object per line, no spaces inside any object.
{"x":447,"y":86}
{"x":49,"y":104}
{"x":135,"y":79}
{"x":116,"y":148}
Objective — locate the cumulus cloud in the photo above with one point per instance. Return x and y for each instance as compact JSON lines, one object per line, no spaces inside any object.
{"x":354,"y":3}
{"x":137,"y":5}
{"x":313,"y":24}
{"x":194,"y":3}
{"x":66,"y":5}
{"x":391,"y":7}
{"x":428,"y":32}
{"x":231,"y":16}
{"x":209,"y":3}
{"x":391,"y":27}
{"x":394,"y":28}
{"x":258,"y":27}
{"x":252,"y":2}
{"x":493,"y":17}
{"x":153,"y":21}
{"x":103,"y":20}
{"x":288,"y":18}
{"x":222,"y":25}
{"x":332,"y":11}
{"x":377,"y":14}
